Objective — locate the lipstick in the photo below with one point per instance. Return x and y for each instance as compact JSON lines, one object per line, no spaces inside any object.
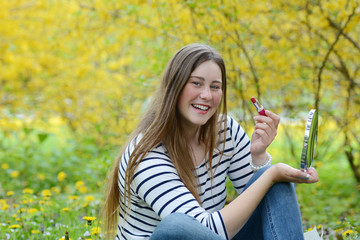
{"x":259,"y":108}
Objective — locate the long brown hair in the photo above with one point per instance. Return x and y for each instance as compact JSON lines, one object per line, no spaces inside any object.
{"x":161,"y":124}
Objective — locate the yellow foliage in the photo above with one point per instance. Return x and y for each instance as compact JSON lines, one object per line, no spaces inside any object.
{"x":92,"y":64}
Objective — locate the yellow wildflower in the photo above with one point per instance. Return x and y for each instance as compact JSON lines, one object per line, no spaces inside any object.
{"x":4,"y":206}
{"x":14,"y":174}
{"x":21,"y":210}
{"x":65,"y":209}
{"x":35,"y":231}
{"x":46,"y":193}
{"x":79,"y":184}
{"x":14,"y":226}
{"x":56,"y":189}
{"x":32,"y":210}
{"x":10,"y":193}
{"x":89,"y":198}
{"x":5,"y":166}
{"x":61,"y":176}
{"x":347,"y":233}
{"x":73,"y":197}
{"x":95,"y":231}
{"x":28,"y":191}
{"x":89,"y":219}
{"x":82,"y":189}
{"x":41,"y":176}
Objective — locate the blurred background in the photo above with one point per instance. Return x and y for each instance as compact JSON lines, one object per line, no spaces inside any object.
{"x":76,"y":75}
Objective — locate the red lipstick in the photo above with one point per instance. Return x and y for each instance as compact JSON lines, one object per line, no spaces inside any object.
{"x":259,"y":108}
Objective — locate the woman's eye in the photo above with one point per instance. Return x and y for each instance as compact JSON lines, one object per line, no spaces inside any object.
{"x":215,"y":87}
{"x":196,"y":83}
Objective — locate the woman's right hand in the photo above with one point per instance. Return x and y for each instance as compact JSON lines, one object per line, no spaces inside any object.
{"x":284,"y":173}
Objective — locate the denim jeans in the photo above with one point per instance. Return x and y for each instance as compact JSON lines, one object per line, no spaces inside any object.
{"x":276,"y":217}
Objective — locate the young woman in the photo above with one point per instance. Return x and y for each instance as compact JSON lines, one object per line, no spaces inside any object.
{"x":169,"y":182}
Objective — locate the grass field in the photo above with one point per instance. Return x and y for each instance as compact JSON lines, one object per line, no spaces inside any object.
{"x":50,"y":185}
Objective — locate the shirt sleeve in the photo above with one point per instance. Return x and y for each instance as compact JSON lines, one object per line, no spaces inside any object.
{"x":240,"y":171}
{"x":157,"y":183}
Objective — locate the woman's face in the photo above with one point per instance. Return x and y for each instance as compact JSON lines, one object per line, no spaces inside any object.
{"x":201,"y":95}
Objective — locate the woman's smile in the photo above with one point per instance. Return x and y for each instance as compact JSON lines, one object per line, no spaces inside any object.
{"x":202,"y":109}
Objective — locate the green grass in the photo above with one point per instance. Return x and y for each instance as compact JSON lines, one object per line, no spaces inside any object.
{"x":49,"y":183}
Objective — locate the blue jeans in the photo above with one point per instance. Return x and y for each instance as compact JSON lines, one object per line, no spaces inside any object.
{"x":276,"y":217}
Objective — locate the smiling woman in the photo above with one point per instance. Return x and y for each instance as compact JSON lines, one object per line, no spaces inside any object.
{"x":201,"y":95}
{"x":170,"y":178}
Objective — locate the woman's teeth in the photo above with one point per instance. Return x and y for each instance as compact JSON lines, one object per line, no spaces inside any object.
{"x":201,"y":107}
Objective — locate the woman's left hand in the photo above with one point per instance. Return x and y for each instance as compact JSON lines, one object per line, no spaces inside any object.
{"x":264,"y":133}
{"x":284,"y":173}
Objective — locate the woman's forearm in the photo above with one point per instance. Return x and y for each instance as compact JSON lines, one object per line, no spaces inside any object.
{"x":236,"y":214}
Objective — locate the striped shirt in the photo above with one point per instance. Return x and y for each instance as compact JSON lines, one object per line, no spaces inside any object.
{"x":157,"y":191}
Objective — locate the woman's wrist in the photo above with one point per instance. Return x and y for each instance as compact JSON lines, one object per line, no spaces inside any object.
{"x":257,"y":166}
{"x":259,"y":158}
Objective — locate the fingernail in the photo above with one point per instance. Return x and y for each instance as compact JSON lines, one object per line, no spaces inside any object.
{"x":305,"y":178}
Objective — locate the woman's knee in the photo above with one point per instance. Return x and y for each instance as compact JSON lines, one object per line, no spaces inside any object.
{"x":172,"y":226}
{"x":179,"y":226}
{"x":284,"y":188}
{"x":175,"y":218}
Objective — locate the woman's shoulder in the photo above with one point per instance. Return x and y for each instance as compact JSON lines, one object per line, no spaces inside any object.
{"x":228,"y":123}
{"x":158,"y":150}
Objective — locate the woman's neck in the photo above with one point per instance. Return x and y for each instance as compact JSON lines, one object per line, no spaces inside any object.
{"x":196,"y":147}
{"x":192,"y":135}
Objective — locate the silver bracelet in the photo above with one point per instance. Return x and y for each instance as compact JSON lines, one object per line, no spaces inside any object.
{"x":266,"y":163}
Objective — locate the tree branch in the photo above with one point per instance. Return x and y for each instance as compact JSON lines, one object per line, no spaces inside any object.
{"x":240,"y":43}
{"x":334,"y":25}
{"x":321,"y":69}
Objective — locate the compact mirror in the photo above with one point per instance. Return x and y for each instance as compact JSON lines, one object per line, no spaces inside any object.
{"x":310,"y":138}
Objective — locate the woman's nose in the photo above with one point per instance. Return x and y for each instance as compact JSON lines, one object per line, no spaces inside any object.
{"x":205,"y":93}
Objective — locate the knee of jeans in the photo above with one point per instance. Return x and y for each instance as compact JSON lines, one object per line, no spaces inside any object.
{"x":284,"y":188}
{"x":174,"y":220}
{"x":172,"y":226}
{"x":175,"y":217}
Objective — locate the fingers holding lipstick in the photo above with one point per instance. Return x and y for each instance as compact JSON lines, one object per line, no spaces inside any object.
{"x":265,"y":131}
{"x":271,"y":118}
{"x":268,"y":124}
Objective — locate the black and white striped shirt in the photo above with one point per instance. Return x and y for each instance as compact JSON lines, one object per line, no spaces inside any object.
{"x":157,"y":191}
